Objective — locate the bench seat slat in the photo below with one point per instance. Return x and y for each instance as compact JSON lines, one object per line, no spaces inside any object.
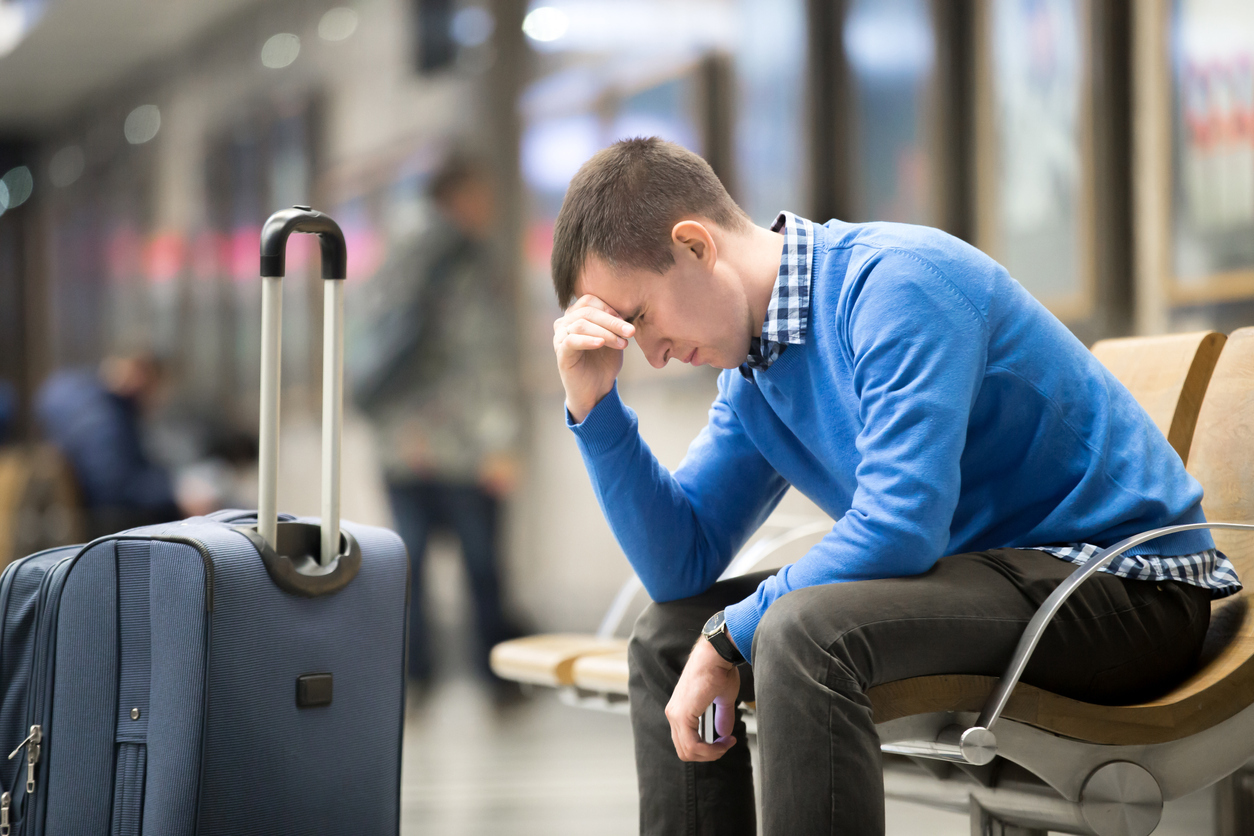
{"x":603,"y":672}
{"x":548,"y":659}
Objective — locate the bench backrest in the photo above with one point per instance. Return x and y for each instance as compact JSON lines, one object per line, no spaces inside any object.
{"x":1167,"y":375}
{"x":1222,"y":459}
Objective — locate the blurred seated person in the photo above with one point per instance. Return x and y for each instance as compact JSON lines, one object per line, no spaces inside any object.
{"x":434,"y":369}
{"x":95,"y":418}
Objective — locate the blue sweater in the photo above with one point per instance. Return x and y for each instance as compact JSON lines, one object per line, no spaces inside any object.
{"x":935,"y":408}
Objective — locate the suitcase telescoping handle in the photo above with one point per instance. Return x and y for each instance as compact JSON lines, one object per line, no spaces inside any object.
{"x":274,"y":237}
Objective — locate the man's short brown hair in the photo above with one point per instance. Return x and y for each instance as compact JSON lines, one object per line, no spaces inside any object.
{"x":623,"y":203}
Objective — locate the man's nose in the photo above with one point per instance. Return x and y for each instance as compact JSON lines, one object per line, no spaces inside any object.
{"x":654,"y":350}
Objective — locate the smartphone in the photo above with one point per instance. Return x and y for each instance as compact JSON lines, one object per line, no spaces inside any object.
{"x":705,"y":726}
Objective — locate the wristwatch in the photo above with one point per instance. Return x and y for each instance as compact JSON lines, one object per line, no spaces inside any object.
{"x":715,"y":632}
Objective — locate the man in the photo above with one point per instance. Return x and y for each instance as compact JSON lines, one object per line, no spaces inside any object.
{"x":95,"y":419}
{"x":434,"y":371}
{"x":969,"y":448}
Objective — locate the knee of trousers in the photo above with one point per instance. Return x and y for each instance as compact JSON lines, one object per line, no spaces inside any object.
{"x":664,"y":633}
{"x":805,"y":634}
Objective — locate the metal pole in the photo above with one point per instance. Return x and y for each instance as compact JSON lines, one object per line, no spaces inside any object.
{"x":332,"y":414}
{"x":268,"y":444}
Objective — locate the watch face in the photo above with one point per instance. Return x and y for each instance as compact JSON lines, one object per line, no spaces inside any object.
{"x":714,"y":624}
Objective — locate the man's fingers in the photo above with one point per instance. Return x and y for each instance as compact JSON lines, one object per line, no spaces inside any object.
{"x":590,"y":301}
{"x":592,"y":329}
{"x":689,"y":746}
{"x":724,"y":717}
{"x":609,"y":321}
{"x":581,"y":342}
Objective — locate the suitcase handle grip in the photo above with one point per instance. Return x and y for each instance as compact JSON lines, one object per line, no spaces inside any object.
{"x":278,"y":228}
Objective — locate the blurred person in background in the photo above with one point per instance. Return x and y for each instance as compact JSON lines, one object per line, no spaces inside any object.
{"x":96,"y":418}
{"x":434,"y":369}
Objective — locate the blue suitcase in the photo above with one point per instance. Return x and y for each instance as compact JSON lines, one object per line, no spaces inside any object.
{"x":237,"y":673}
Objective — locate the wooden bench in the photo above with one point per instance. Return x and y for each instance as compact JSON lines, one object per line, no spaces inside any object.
{"x":1084,"y":768}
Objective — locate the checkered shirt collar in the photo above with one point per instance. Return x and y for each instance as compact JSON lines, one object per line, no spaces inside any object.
{"x":787,"y":315}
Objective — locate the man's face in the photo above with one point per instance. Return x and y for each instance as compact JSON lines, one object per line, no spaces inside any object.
{"x":696,"y":312}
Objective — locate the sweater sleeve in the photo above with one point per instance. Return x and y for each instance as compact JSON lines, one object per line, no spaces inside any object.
{"x":679,"y":531}
{"x":917,"y":349}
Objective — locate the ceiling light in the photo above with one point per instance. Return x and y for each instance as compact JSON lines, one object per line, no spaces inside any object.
{"x":280,"y":50}
{"x":545,"y":24}
{"x":19,"y":184}
{"x":337,"y":24}
{"x":142,"y":124}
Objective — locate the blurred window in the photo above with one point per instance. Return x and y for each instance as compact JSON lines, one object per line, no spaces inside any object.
{"x":1213,"y":147}
{"x":890,"y":47}
{"x":1039,"y":154}
{"x":770,"y":147}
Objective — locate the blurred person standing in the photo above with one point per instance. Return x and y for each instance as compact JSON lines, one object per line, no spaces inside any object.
{"x":95,"y":417}
{"x":434,"y":369}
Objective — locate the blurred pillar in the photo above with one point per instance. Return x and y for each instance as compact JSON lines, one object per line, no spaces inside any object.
{"x":955,"y":118}
{"x":1112,"y":139}
{"x":830,"y":194}
{"x":1151,"y":153}
{"x":504,"y":84}
{"x":719,"y":99}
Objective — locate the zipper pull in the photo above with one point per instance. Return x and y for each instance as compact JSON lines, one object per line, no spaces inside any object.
{"x":31,"y":743}
{"x":5,"y":801}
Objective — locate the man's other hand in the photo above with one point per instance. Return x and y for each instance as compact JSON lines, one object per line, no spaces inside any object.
{"x":707,"y":678}
{"x":589,"y":340}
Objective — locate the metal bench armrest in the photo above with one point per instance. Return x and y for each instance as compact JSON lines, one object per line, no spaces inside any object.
{"x":1036,"y":627}
{"x":978,"y":744}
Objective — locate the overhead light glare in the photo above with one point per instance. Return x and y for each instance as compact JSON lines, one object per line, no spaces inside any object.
{"x":472,"y":26}
{"x":280,"y":50}
{"x":17,"y":18}
{"x":18,"y":183}
{"x":337,"y":24}
{"x":545,"y":24}
{"x":142,"y":124}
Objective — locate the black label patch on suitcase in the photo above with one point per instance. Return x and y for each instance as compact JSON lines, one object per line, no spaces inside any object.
{"x":313,"y":689}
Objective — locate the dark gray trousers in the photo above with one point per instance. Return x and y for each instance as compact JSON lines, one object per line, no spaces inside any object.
{"x":818,"y":650}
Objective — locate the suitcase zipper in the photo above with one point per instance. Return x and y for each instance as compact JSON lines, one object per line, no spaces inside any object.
{"x":6,"y":801}
{"x":37,"y":700}
{"x":31,"y":743}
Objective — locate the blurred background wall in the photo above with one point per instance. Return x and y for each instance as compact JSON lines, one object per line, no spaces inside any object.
{"x":1102,"y":150}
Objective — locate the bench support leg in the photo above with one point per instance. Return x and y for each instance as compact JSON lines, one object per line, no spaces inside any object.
{"x":1234,"y":803}
{"x":983,"y":823}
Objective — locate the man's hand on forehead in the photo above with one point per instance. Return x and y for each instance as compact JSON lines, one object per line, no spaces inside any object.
{"x":593,"y":324}
{"x":588,"y":340}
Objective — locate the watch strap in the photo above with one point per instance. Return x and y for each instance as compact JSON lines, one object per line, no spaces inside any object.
{"x":724,"y":645}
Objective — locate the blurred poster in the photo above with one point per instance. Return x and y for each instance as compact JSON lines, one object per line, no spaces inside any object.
{"x":1038,"y":83}
{"x":1213,"y":128}
{"x":891,"y":49}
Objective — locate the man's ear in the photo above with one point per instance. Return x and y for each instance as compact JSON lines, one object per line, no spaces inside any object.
{"x":693,"y":239}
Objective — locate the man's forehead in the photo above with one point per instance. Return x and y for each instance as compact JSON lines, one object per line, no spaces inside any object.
{"x":618,"y":288}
